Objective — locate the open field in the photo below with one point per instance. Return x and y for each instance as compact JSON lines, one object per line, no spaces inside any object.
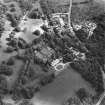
{"x":63,"y":87}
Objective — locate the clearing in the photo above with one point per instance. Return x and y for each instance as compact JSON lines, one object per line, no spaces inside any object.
{"x":64,"y":86}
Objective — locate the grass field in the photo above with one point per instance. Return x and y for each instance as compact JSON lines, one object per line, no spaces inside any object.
{"x":63,"y":87}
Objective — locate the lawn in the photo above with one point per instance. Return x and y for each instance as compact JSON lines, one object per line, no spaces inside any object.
{"x":29,"y":26}
{"x":63,"y":87}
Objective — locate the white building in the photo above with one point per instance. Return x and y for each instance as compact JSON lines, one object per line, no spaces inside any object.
{"x":55,"y":62}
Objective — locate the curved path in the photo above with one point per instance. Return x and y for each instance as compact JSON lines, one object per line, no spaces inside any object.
{"x":101,"y":99}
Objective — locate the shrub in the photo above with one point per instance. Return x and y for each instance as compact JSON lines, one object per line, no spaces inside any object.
{"x":33,"y":15}
{"x":37,"y":32}
{"x":4,"y":69}
{"x":17,"y":29}
{"x":81,"y":35}
{"x":28,"y":92}
{"x":90,"y":71}
{"x":72,"y":101}
{"x":11,"y":61}
{"x":3,"y":85}
{"x":11,"y":18}
{"x":12,"y":5}
{"x":44,"y":28}
{"x":8,"y":39}
{"x":26,"y":102}
{"x":46,"y":79}
{"x":25,"y":5}
{"x":12,"y":9}
{"x":1,"y":28}
{"x":82,"y":94}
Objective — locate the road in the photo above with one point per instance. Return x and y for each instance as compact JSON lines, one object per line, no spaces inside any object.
{"x":101,"y":99}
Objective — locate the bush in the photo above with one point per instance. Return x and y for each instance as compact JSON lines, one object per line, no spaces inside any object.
{"x":11,"y":18}
{"x":8,"y":39}
{"x":90,"y":71}
{"x":26,"y":102}
{"x":31,"y":74}
{"x":72,"y":101}
{"x":96,"y":45}
{"x":82,"y":94}
{"x":81,"y":35}
{"x":16,"y":93}
{"x":12,"y":5}
{"x":44,"y":28}
{"x":17,"y":29}
{"x":12,"y":10}
{"x":68,"y":58}
{"x":29,"y":91}
{"x":3,"y":85}
{"x":25,"y":5}
{"x":11,"y":61}
{"x":1,"y":29}
{"x":45,"y":7}
{"x":36,"y":41}
{"x":4,"y":69}
{"x":46,"y":80}
{"x":11,"y":44}
{"x":33,"y":15}
{"x":37,"y":33}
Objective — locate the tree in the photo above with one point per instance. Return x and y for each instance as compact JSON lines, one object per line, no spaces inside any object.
{"x":45,"y":7}
{"x":29,"y":91}
{"x":12,"y":5}
{"x":17,"y":29}
{"x":12,"y":19}
{"x":12,"y":9}
{"x":11,"y":61}
{"x":1,"y":28}
{"x":31,"y":74}
{"x":25,"y":5}
{"x":9,"y":49}
{"x":33,"y":15}
{"x":36,"y":41}
{"x":82,"y":36}
{"x":44,"y":28}
{"x":16,"y":93}
{"x":90,"y":71}
{"x":26,"y":102}
{"x":72,"y":101}
{"x":3,"y":85}
{"x":82,"y":94}
{"x":47,"y":79}
{"x":5,"y":70}
{"x":37,"y":33}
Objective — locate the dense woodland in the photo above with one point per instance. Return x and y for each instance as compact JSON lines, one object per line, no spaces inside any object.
{"x":95,"y":44}
{"x":81,"y":97}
